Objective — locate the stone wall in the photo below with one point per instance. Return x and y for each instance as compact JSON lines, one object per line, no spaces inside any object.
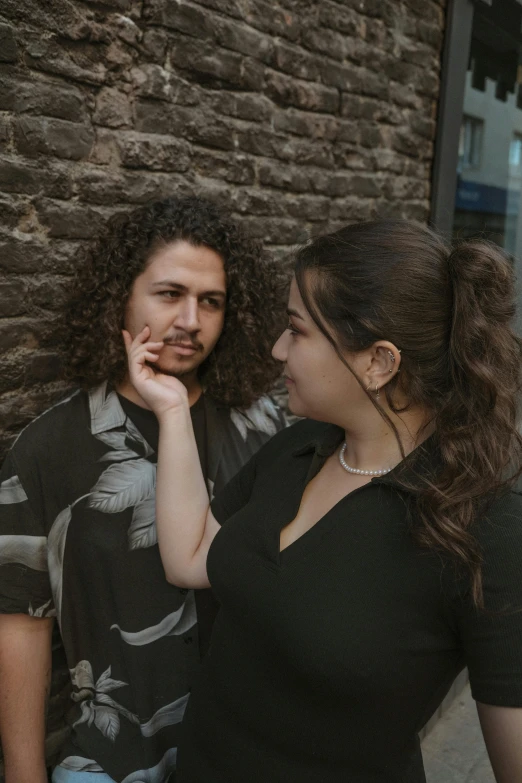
{"x":300,"y":115}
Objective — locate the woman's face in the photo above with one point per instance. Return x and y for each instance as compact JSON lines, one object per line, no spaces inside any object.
{"x":319,"y":385}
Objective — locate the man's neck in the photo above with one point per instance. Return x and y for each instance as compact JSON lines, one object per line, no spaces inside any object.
{"x":192,"y":384}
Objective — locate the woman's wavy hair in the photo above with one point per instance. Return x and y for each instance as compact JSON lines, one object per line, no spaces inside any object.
{"x":451,"y":312}
{"x":240,"y":368}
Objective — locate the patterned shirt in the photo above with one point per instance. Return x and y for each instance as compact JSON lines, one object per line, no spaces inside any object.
{"x":78,"y":542}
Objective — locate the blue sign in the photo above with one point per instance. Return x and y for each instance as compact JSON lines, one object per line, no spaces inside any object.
{"x":474,"y":197}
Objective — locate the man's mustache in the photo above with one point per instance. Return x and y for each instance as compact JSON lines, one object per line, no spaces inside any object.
{"x":183,"y":339}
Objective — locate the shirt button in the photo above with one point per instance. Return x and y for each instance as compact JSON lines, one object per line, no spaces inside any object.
{"x":183,"y":591}
{"x":188,"y":640}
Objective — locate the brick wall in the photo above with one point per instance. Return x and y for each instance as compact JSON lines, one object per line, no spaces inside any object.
{"x":300,"y":115}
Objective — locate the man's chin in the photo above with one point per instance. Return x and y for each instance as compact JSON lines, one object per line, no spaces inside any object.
{"x":175,"y":369}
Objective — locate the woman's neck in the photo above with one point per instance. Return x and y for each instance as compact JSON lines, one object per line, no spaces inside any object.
{"x":371,"y":444}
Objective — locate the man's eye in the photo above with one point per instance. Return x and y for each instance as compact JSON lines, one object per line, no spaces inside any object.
{"x":291,"y":328}
{"x":169,"y":294}
{"x":212,"y":302}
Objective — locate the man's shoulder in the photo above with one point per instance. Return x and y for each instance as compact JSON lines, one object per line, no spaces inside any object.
{"x":46,"y":431}
{"x":264,"y":417}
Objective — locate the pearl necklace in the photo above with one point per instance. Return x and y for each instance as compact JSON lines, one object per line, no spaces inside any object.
{"x":360,"y":472}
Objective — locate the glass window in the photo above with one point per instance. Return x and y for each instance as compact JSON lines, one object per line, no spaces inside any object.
{"x":470,"y":143}
{"x":489,"y":180}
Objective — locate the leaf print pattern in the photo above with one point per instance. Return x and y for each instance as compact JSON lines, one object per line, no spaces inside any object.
{"x":122,"y":485}
{"x":79,"y":764}
{"x":95,"y":704}
{"x":30,"y":551}
{"x":168,"y":715}
{"x":173,"y":624}
{"x":136,"y":436}
{"x":46,"y":610}
{"x":55,"y":552}
{"x":106,"y":412}
{"x":11,"y":491}
{"x":142,"y":529}
{"x":158,"y":774}
{"x":262,"y":416}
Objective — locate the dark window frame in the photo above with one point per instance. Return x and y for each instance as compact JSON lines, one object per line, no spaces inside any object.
{"x":457,"y":40}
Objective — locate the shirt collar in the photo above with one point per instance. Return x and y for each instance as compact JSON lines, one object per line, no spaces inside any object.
{"x":105,"y":409}
{"x":407,"y":475}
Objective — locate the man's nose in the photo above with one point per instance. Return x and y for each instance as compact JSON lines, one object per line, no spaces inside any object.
{"x":187,"y":316}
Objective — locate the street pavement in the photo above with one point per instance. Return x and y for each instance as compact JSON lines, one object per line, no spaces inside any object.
{"x":454,"y":751}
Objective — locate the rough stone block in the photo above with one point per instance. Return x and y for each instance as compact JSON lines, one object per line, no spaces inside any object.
{"x":296,"y":61}
{"x":51,"y":100}
{"x":240,"y":38}
{"x":96,"y":186}
{"x":113,"y":109}
{"x":159,"y":117}
{"x":306,"y":124}
{"x":18,"y":333}
{"x":305,"y":95}
{"x":17,"y":176}
{"x":237,"y":168}
{"x":38,"y":136}
{"x":46,"y":54}
{"x":154,"y":44}
{"x":328,"y":42}
{"x":291,"y":178}
{"x":343,"y":20}
{"x":210,"y":65}
{"x":366,"y":7}
{"x":152,"y":151}
{"x":5,"y":132}
{"x":69,"y":220}
{"x":21,"y":257}
{"x":245,"y":106}
{"x":12,"y":210}
{"x":12,"y":298}
{"x":275,"y":231}
{"x":270,"y":19}
{"x":185,"y":18}
{"x":42,"y":367}
{"x":47,"y":293}
{"x":8,"y":45}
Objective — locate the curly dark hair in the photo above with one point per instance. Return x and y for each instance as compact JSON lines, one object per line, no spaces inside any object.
{"x":451,"y":310}
{"x":240,"y":368}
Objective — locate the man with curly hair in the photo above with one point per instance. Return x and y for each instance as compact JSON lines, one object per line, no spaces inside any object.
{"x":77,"y":491}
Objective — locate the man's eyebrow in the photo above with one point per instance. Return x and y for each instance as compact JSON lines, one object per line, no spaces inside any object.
{"x":184,"y":289}
{"x":294,"y":313}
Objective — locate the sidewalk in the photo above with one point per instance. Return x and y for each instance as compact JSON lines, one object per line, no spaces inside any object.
{"x":454,"y":751}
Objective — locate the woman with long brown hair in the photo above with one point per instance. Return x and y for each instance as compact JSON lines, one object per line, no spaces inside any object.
{"x":367,"y":554}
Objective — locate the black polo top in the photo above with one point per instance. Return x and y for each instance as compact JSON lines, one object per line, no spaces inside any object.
{"x":327,"y":659}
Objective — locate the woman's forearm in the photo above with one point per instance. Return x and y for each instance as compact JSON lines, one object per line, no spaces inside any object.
{"x":182,"y":503}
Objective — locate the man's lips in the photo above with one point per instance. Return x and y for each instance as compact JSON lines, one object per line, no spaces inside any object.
{"x":289,"y":381}
{"x":183,"y":349}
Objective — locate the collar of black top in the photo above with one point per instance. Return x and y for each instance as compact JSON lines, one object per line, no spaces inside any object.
{"x":408,"y":475}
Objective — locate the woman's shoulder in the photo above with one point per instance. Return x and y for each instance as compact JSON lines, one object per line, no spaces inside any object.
{"x":303,"y":434}
{"x":499,"y":526}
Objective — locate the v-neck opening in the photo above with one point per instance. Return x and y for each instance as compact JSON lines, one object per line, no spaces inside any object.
{"x":318,"y":529}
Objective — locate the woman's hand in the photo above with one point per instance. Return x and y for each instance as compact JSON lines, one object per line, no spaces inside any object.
{"x":162,"y":393}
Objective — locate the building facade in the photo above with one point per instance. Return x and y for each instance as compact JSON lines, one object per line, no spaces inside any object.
{"x":298,"y":115}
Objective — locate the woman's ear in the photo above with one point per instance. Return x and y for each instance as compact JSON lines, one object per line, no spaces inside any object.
{"x":385,"y":363}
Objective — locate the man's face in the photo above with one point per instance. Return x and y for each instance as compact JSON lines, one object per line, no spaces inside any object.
{"x":181,"y":297}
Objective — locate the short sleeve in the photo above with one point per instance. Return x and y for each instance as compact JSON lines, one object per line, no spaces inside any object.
{"x":236,"y":493}
{"x":24,"y":578}
{"x":492,"y":638}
